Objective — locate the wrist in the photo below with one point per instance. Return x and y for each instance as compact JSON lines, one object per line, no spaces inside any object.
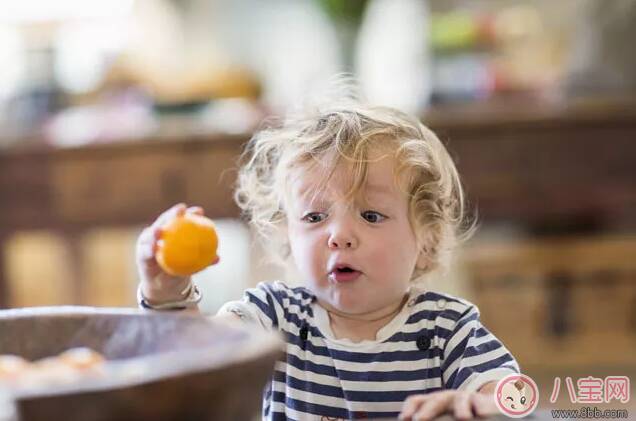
{"x":189,"y":298}
{"x":160,"y":290}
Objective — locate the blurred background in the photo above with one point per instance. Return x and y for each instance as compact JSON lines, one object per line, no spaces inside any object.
{"x":111,"y":112}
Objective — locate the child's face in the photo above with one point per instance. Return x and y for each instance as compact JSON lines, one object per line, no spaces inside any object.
{"x":370,"y":234}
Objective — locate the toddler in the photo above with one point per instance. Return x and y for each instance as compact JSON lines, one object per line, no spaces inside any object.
{"x":366,"y":201}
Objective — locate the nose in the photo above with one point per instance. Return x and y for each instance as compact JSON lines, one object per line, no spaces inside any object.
{"x":342,"y":236}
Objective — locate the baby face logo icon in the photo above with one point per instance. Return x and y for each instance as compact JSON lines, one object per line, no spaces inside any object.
{"x":516,"y":395}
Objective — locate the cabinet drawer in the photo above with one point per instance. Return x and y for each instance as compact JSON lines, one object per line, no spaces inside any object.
{"x":117,"y":189}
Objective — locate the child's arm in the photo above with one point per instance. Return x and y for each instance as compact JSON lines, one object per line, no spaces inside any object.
{"x":156,"y":286}
{"x":470,"y":386}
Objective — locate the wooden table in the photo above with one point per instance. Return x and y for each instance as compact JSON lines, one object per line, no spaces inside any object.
{"x":544,"y":168}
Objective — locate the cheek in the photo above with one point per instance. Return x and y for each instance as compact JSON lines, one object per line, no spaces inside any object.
{"x":305,"y":248}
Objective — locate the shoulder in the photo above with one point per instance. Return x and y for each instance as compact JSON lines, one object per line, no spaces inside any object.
{"x":444,"y":310}
{"x":286,"y":299}
{"x":281,"y":291}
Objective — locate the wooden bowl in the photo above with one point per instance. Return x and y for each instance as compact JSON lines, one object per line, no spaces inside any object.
{"x":160,"y":366}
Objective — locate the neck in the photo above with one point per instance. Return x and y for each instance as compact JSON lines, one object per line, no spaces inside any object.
{"x":363,"y":325}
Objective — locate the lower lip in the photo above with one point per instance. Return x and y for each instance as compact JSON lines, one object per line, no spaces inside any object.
{"x":344,"y":276}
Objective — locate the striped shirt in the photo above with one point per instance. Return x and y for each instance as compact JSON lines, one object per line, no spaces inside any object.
{"x":436,"y":342}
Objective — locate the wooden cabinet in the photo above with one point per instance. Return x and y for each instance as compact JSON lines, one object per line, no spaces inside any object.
{"x":559,"y":303}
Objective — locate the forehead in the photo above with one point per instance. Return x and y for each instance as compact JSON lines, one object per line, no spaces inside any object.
{"x":317,"y":179}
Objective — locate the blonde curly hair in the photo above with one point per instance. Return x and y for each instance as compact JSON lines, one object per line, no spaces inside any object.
{"x":346,"y":132}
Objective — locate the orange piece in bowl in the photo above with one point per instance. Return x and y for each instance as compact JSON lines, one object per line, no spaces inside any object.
{"x":187,"y":245}
{"x":12,"y":366}
{"x":81,"y":358}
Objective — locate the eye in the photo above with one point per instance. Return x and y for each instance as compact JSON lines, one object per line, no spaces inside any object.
{"x":523,"y":400}
{"x":510,"y":398}
{"x":373,"y":216}
{"x":314,"y":217}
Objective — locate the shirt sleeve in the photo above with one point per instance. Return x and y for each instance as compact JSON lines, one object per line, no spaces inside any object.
{"x":473,"y":356}
{"x":261,"y":305}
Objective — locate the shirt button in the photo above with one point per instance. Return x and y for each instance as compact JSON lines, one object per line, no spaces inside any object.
{"x":441,"y":303}
{"x":423,"y":343}
{"x":304,"y":333}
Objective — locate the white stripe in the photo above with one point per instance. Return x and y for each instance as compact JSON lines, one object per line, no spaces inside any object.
{"x":373,"y":349}
{"x":431,"y":305}
{"x":459,"y":336}
{"x":484,"y":339}
{"x":361,"y":386}
{"x":477,"y":380}
{"x":473,"y":361}
{"x":262,"y":294}
{"x":335,"y":402}
{"x":484,"y":358}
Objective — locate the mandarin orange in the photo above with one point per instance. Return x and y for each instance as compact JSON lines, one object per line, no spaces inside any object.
{"x":187,"y":245}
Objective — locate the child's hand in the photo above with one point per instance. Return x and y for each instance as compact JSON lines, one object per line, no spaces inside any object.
{"x":157,"y":285}
{"x":463,"y":405}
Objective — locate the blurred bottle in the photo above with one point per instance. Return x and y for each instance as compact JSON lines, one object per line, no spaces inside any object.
{"x":392,"y":57}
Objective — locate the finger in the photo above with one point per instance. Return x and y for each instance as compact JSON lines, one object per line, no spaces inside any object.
{"x":411,"y":405}
{"x":145,"y":243}
{"x":146,"y":235}
{"x":216,"y":260}
{"x":462,"y":408}
{"x":484,"y":404}
{"x":432,"y":408}
{"x":157,"y":233}
{"x":196,"y":210}
{"x":177,"y":210}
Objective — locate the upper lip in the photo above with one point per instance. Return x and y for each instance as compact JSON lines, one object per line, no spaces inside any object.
{"x":340,"y":265}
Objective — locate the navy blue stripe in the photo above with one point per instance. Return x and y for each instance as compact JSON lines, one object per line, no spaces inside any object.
{"x":307,"y":386}
{"x":388,"y":396}
{"x":266,"y":308}
{"x":271,"y":292}
{"x":279,"y":416}
{"x":480,"y":349}
{"x":464,"y":373}
{"x":310,"y":408}
{"x":351,"y":396}
{"x":466,"y":319}
{"x":431,"y":315}
{"x":480,"y":332}
{"x":459,"y":349}
{"x":455,"y":353}
{"x":294,"y":319}
{"x":412,"y":336}
{"x":369,"y":376}
{"x":434,"y":296}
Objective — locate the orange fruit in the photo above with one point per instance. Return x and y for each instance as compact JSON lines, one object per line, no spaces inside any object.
{"x":187,"y":245}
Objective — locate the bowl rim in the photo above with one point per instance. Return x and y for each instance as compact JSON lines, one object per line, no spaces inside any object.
{"x":155,"y":367}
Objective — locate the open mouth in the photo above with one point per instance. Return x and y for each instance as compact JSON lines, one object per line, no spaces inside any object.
{"x":343,"y":273}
